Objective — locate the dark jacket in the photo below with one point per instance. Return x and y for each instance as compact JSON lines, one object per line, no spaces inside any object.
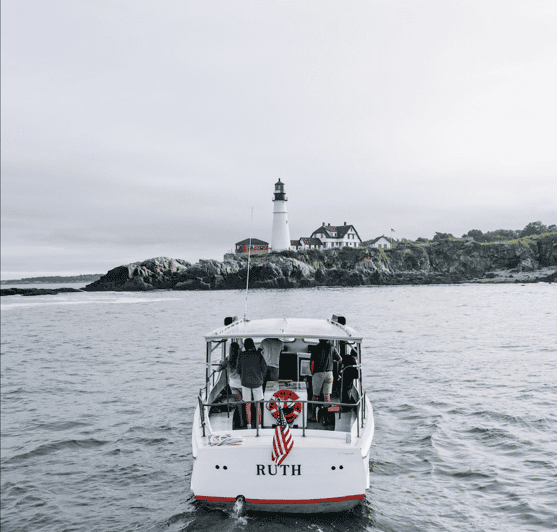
{"x":349,"y":359}
{"x":322,"y":356}
{"x":252,"y":368}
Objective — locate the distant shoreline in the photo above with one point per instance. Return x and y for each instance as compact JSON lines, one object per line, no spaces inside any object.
{"x":532,"y":259}
{"x":55,"y":279}
{"x":545,"y":275}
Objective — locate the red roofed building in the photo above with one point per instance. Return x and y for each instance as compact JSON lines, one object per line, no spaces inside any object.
{"x":257,"y":246}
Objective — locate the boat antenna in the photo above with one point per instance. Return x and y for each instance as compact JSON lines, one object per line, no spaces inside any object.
{"x":249,"y":257}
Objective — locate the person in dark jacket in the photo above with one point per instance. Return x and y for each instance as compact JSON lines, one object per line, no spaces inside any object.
{"x":349,"y":372}
{"x":252,"y":369}
{"x":321,"y":363}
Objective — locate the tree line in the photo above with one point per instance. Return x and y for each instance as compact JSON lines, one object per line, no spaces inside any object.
{"x":533,"y":228}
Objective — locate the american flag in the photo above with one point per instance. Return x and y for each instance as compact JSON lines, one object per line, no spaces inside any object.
{"x":282,"y":440}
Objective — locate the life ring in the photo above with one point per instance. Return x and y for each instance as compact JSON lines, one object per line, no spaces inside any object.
{"x":291,"y":407}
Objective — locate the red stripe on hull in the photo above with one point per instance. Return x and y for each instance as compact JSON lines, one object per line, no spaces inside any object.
{"x":300,"y":506}
{"x":206,"y":498}
{"x":305,"y":501}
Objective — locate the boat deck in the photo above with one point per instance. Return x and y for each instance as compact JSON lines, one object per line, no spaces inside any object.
{"x":223,"y":417}
{"x":221,"y":422}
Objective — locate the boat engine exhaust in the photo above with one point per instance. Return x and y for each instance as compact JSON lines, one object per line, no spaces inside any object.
{"x":239,"y":505}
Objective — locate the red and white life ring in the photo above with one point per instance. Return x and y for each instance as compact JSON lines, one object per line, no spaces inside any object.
{"x":291,"y":407}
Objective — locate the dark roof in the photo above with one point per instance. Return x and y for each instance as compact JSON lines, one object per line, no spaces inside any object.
{"x":254,"y":242}
{"x":340,"y":230}
{"x":307,"y":241}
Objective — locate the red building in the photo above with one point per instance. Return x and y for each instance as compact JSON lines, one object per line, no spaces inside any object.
{"x":257,"y":246}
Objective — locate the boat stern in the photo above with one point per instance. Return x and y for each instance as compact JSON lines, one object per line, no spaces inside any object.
{"x":318,"y":475}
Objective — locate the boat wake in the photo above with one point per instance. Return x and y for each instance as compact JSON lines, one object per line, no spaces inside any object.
{"x":239,"y":509}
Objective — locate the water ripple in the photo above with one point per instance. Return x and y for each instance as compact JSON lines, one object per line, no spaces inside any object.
{"x":98,"y":394}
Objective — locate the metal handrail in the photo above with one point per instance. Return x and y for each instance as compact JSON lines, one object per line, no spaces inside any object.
{"x":228,"y":404}
{"x":266,"y":401}
{"x":201,"y":412}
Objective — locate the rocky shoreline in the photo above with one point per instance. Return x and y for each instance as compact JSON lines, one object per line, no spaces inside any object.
{"x":547,"y":275}
{"x":528,"y":260}
{"x":448,"y":262}
{"x":36,"y":291}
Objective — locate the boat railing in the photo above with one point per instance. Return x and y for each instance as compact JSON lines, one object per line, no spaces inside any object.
{"x":201,"y":411}
{"x":359,"y":406}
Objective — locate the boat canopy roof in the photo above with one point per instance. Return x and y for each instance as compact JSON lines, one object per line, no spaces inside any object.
{"x":286,"y":328}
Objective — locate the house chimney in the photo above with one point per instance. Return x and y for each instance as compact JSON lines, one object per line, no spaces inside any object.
{"x":344,"y":223}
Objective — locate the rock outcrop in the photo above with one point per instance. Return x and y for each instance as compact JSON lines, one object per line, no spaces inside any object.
{"x":450,"y":261}
{"x":151,"y":274}
{"x":36,"y":291}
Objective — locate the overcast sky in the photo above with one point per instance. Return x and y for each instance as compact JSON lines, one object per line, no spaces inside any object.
{"x":138,"y":129}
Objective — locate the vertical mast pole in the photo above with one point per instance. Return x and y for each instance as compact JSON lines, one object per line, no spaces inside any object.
{"x":249,"y":257}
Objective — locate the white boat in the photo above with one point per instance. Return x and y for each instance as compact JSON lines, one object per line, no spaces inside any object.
{"x":327,"y":468}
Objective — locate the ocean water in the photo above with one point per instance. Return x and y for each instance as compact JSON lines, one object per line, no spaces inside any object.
{"x":99,"y":389}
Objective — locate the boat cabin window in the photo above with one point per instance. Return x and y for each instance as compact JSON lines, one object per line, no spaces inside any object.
{"x":295,"y":356}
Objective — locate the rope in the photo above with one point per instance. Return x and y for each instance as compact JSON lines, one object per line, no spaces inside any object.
{"x":225,"y":439}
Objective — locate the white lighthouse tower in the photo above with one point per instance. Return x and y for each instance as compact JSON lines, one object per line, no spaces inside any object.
{"x":281,"y":232}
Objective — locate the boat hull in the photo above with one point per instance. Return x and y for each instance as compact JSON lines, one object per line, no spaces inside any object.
{"x":324,"y":472}
{"x":308,"y":506}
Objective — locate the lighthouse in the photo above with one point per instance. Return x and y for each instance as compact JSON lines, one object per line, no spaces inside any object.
{"x":281,"y":233}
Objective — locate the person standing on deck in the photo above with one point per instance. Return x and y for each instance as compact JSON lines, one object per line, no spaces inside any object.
{"x":230,"y":364}
{"x":252,"y":369}
{"x":321,"y":364}
{"x":272,"y":348}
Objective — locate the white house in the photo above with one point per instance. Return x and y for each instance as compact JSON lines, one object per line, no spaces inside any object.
{"x":381,"y":242}
{"x":333,"y":236}
{"x":307,"y":243}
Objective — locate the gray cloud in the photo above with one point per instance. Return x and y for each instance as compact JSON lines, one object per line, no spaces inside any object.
{"x":140,"y":130}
